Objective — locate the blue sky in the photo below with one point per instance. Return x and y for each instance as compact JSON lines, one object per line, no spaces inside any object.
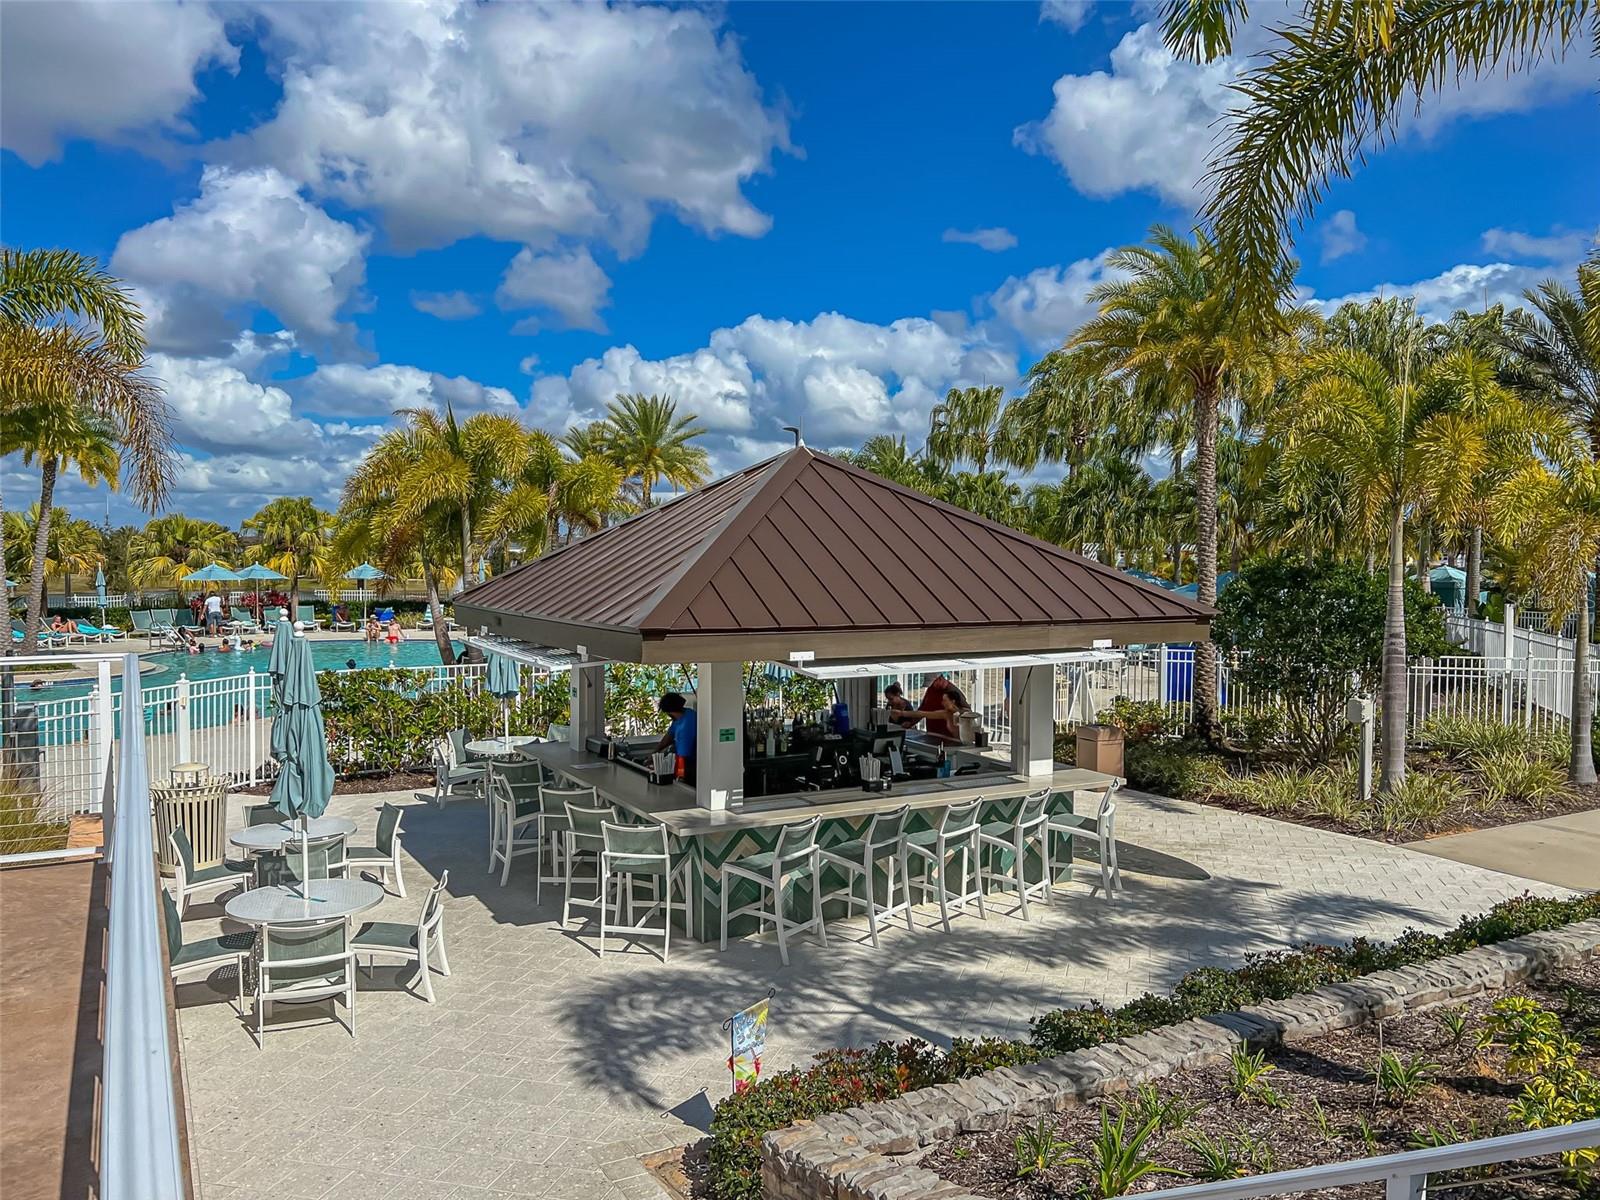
{"x":776,"y":212}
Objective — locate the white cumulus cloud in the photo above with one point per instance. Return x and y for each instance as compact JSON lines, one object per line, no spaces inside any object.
{"x":524,"y":123}
{"x":1340,"y":236}
{"x":1046,"y":305}
{"x":1069,"y":14}
{"x":447,"y":306}
{"x":1469,"y":286}
{"x":992,"y":239}
{"x":249,"y":238}
{"x":348,"y":391}
{"x":108,"y":70}
{"x":569,"y":287}
{"x":1557,"y":246}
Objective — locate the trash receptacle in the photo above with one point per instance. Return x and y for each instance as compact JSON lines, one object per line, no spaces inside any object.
{"x":201,"y":811}
{"x":1100,"y":749}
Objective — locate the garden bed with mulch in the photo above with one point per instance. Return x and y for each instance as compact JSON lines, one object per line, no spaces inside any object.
{"x":364,"y":785}
{"x":1423,"y":1079}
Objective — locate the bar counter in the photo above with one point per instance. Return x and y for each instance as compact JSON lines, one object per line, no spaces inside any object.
{"x":712,"y":838}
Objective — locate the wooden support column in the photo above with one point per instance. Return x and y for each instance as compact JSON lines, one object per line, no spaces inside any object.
{"x":719,"y":744}
{"x":1033,"y":724}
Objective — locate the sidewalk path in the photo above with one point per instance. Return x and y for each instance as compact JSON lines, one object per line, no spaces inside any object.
{"x":1562,"y":850}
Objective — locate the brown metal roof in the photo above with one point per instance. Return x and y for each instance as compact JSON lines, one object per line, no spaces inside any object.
{"x":802,"y":552}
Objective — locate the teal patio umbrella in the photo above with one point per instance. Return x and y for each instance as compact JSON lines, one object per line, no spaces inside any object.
{"x":299,"y":740}
{"x":505,"y":681}
{"x":365,"y":573}
{"x":100,"y":592}
{"x":256,"y":573}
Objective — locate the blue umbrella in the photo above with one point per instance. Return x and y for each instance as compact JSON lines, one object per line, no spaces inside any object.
{"x":505,"y":681}
{"x":299,"y":739}
{"x":364,"y":573}
{"x":214,"y":573}
{"x":100,"y":592}
{"x":256,"y":572}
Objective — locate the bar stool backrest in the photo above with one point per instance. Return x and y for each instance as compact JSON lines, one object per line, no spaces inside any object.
{"x":518,"y":783}
{"x":887,"y":828}
{"x":588,"y":826}
{"x":625,"y":843}
{"x":959,"y":820}
{"x":553,"y":803}
{"x":1031,"y":815}
{"x":261,"y":814}
{"x":797,"y":839}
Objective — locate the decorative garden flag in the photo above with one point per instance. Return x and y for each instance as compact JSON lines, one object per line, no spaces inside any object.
{"x":747,"y":1038}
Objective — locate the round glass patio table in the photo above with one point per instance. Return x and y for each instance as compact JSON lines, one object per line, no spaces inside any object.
{"x":499,"y":747}
{"x":300,"y":903}
{"x":262,"y":838}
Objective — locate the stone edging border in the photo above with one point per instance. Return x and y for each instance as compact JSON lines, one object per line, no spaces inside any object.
{"x":852,"y":1155}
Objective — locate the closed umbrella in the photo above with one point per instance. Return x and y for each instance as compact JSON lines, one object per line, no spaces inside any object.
{"x":505,"y":681}
{"x":364,"y":573}
{"x":100,"y":592}
{"x":299,"y":740}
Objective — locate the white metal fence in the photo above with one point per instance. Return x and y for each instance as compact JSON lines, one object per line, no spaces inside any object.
{"x":55,"y":758}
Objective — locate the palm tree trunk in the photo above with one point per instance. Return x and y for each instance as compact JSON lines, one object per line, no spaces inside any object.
{"x":1394,"y":660}
{"x":466,"y":548}
{"x":1580,"y":769}
{"x":41,"y":545}
{"x":1177,"y":535}
{"x":1474,"y":570}
{"x":1205,"y":551}
{"x":10,"y":644}
{"x":441,"y":633}
{"x":1425,"y":556}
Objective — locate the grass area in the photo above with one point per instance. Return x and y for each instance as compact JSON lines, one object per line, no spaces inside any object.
{"x":24,"y":827}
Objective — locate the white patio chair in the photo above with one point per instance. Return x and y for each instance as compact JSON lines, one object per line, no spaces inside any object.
{"x":513,"y":808}
{"x":553,"y":826}
{"x":319,"y":858}
{"x":209,"y":953}
{"x":956,"y":835}
{"x":412,"y":943}
{"x":1014,"y":839}
{"x":795,"y":855}
{"x":632,"y":853}
{"x":384,"y":856}
{"x":300,"y":963}
{"x":186,"y":881}
{"x":452,"y":775}
{"x":858,"y":859}
{"x":1101,"y":830}
{"x":585,"y":839}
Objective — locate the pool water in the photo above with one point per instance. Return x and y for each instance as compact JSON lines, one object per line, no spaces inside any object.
{"x":416,"y":651}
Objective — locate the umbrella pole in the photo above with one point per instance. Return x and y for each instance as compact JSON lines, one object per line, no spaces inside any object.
{"x":305,"y":855}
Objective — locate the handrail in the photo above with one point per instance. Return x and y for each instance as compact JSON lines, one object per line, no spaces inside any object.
{"x":1405,"y":1174}
{"x":140,"y":1155}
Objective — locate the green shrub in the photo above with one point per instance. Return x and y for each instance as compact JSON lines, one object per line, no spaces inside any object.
{"x":1517,"y":776}
{"x":1419,"y":801}
{"x":1140,"y":720}
{"x":840,"y":1079}
{"x":1181,"y":770}
{"x":1464,"y":737}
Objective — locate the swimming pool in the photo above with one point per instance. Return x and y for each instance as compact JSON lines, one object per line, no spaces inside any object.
{"x":416,"y":651}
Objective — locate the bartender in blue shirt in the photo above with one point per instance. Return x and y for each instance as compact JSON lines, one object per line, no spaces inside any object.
{"x":680,"y":735}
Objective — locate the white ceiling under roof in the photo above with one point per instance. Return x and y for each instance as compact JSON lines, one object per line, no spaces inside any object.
{"x":914,"y":666}
{"x":554,"y":659}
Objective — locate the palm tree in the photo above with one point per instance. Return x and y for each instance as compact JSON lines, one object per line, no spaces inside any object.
{"x":887,"y":455}
{"x":171,"y":546}
{"x":989,"y":494}
{"x":1556,"y":517}
{"x":56,"y":434}
{"x":441,"y":474}
{"x":1108,"y":505}
{"x":295,"y":539}
{"x":71,"y":337}
{"x":646,"y":438}
{"x":554,"y":496}
{"x":1171,"y":326}
{"x":1401,"y":441}
{"x":1336,"y":85}
{"x":1067,"y":413}
{"x":77,"y":547}
{"x":965,"y":427}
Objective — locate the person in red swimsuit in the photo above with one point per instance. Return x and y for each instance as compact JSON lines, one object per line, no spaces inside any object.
{"x":941,"y":704}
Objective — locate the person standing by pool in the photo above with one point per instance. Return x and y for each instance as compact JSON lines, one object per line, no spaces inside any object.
{"x":213,"y":614}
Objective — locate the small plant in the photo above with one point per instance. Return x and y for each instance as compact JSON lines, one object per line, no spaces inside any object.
{"x":1452,"y":1022}
{"x":1039,"y":1150}
{"x":1418,"y":802}
{"x":1247,"y":1074}
{"x":1518,"y":776}
{"x":1401,"y":1080}
{"x":1229,"y":1156}
{"x":1363,"y":1130}
{"x":1116,"y":1159}
{"x":1557,"y":1090}
{"x":1146,"y":1104}
{"x":1320,"y":1118}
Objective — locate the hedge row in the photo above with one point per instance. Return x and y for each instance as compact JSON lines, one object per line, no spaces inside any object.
{"x":840,"y":1079}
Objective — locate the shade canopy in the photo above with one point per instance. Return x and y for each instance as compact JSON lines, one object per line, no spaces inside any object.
{"x":805,"y":554}
{"x":299,"y":740}
{"x":214,"y":573}
{"x":364,"y":571}
{"x":260,"y":571}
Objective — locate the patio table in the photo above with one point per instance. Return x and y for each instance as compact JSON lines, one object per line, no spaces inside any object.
{"x":499,"y":747}
{"x":298,"y":904}
{"x":258,"y":839}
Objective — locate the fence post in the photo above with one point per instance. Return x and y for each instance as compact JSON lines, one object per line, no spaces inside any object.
{"x":1508,"y":642}
{"x":1161,"y":675}
{"x":250,"y":721}
{"x":1527,"y":688}
{"x":181,"y":720}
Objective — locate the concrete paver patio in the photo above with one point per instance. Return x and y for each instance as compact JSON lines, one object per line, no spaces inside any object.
{"x":545,"y":1071}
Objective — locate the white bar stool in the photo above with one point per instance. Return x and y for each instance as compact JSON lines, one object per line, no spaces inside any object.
{"x":1016,"y":838}
{"x":957,"y":834}
{"x":857,"y":860}
{"x":795,"y":854}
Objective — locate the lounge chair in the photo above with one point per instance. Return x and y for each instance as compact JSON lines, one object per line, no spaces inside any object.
{"x":241,"y":622}
{"x":51,"y":638}
{"x":341,"y":625}
{"x":86,"y":633}
{"x":143,"y":624}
